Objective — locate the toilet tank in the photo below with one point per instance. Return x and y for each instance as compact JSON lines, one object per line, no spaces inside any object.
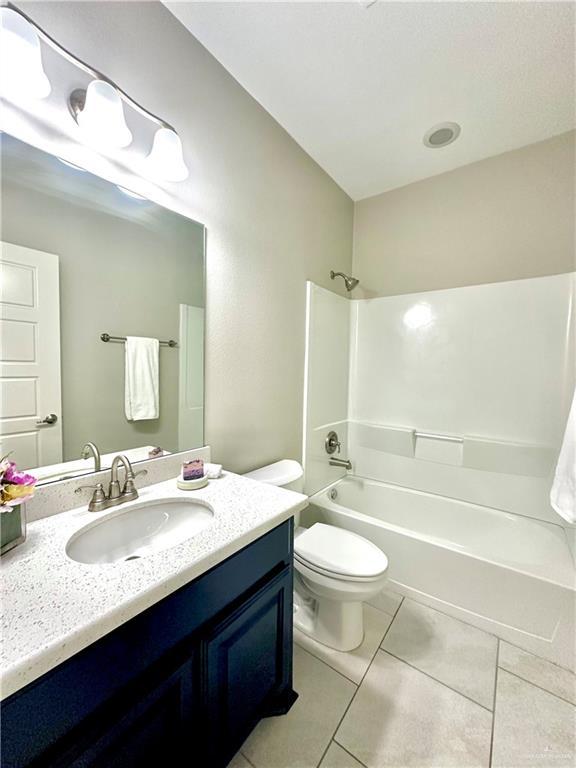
{"x":286,"y":473}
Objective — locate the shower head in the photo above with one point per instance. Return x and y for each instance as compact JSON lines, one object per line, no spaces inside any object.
{"x":349,"y":282}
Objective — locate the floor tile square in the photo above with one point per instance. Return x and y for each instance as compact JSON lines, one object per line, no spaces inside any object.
{"x":386,"y":601}
{"x":535,"y":670}
{"x":402,"y":718}
{"x":298,"y":739}
{"x":354,"y":663}
{"x":448,"y":650}
{"x":532,"y":727}
{"x":336,"y":757}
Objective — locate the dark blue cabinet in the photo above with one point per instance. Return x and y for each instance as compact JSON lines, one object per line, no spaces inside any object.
{"x":147,"y":730}
{"x":245,"y":671}
{"x":183,"y":683}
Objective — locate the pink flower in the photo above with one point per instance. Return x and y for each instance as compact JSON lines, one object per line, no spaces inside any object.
{"x":13,"y":477}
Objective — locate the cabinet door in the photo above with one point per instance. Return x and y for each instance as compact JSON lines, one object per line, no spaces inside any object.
{"x":150,"y":731}
{"x":247,"y":661}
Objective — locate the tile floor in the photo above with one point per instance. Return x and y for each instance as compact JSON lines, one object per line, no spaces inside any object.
{"x":423,"y":690}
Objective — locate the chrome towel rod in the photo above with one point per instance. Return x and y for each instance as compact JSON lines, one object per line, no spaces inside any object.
{"x":433,"y":436}
{"x":107,"y":337}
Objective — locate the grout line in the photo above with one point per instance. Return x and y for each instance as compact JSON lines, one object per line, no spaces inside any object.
{"x":400,"y":604}
{"x":530,"y":653}
{"x":449,"y":616}
{"x":349,"y":753}
{"x":494,"y":706}
{"x":328,"y":664}
{"x":250,"y":763}
{"x":535,"y":685}
{"x":392,"y":615}
{"x":436,"y":680}
{"x":385,"y":635}
{"x":348,"y":679}
{"x":333,"y":737}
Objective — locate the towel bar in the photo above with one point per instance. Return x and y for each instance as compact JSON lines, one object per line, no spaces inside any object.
{"x":107,"y":337}
{"x":434,"y":436}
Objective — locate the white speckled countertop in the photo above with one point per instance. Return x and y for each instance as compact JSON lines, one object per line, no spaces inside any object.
{"x":54,"y":607}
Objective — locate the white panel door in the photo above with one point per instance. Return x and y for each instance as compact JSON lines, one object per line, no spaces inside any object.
{"x":30,"y":395}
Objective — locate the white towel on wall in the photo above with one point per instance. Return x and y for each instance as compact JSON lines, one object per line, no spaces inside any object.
{"x":142,"y":390}
{"x":563,"y":493}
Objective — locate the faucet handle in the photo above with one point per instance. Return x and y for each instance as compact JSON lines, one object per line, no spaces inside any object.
{"x":332,"y":443}
{"x":129,"y":491}
{"x":98,"y":500}
{"x":98,"y":487}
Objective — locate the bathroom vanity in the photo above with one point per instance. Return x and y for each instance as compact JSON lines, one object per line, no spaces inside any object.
{"x":181,"y":682}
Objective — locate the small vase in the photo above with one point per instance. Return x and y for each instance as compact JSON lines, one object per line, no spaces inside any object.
{"x":12,"y":528}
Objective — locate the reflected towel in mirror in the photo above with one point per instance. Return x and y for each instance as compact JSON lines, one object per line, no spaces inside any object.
{"x":142,"y":399}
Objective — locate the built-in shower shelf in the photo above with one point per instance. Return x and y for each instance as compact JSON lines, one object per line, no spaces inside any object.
{"x":469,"y":451}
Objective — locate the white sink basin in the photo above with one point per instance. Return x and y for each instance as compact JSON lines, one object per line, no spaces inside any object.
{"x":140,"y":530}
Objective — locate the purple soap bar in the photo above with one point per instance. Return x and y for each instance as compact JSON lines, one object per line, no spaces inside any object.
{"x":193,"y":470}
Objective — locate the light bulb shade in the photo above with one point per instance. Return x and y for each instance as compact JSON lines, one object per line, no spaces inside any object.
{"x":166,"y":159}
{"x":22,"y":76}
{"x":102,"y":119}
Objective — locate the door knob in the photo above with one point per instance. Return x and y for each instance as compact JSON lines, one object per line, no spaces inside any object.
{"x":47,"y":420}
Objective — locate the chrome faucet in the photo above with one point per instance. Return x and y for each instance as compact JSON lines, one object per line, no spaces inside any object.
{"x":101,"y":500}
{"x":333,"y":444}
{"x":344,"y":463}
{"x":91,"y":449}
{"x":129,"y":492}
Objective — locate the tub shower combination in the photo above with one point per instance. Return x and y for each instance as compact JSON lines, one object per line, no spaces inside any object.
{"x":507,"y":574}
{"x":459,"y":500}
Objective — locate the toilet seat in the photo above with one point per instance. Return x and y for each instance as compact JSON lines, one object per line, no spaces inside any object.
{"x":340,"y":554}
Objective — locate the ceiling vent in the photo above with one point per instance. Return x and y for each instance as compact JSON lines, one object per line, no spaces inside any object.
{"x":441,"y":135}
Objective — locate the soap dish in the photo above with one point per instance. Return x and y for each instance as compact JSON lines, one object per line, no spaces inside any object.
{"x":192,"y":485}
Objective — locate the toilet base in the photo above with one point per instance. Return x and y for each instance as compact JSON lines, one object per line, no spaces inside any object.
{"x":336,"y":624}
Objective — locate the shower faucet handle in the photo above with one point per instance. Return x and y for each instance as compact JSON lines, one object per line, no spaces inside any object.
{"x":332,"y":443}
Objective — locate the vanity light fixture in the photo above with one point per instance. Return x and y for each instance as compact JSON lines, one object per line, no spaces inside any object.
{"x":99,"y":112}
{"x":98,"y":109}
{"x":166,"y":161}
{"x":22,"y":74}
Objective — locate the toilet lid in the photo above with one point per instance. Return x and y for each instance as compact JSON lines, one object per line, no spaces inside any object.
{"x":339,"y":551}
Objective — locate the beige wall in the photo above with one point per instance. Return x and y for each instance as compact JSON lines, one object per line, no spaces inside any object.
{"x":273,"y":217}
{"x":503,"y":218}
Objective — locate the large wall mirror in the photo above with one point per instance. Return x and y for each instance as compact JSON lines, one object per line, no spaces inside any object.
{"x":82,"y":260}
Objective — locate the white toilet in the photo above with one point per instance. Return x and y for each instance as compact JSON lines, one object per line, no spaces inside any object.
{"x":335,"y":570}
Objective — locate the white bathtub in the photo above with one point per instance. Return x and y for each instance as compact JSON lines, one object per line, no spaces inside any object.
{"x":510,"y":575}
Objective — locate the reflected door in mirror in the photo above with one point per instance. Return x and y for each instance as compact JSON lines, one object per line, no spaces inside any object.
{"x":30,"y":397}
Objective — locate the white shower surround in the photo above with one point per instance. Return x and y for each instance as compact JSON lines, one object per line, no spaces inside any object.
{"x":493,"y":366}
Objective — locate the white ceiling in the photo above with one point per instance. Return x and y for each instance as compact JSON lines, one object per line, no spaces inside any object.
{"x":358,"y":86}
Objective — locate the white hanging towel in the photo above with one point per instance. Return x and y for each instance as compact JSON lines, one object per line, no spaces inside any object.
{"x":141,"y":396}
{"x":563,"y":493}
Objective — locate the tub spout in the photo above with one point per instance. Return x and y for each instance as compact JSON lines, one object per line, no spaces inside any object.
{"x":344,"y":463}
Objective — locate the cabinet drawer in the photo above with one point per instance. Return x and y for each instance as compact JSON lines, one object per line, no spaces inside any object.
{"x":149,"y":729}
